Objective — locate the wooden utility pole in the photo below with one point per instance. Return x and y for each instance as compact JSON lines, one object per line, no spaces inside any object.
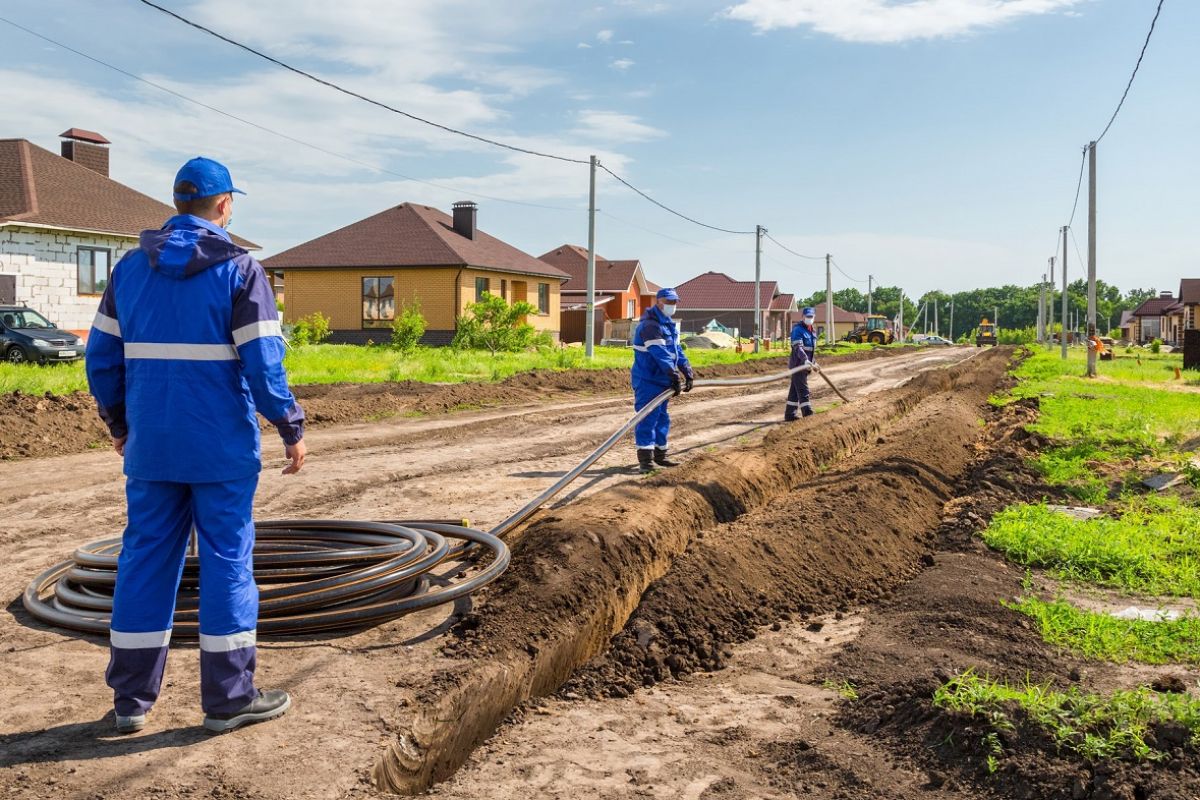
{"x":828,"y":301}
{"x":589,"y":347}
{"x":1065,"y":315}
{"x":758,"y":234}
{"x":1091,"y":289}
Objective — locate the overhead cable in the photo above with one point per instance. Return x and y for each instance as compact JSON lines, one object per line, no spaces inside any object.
{"x":790,"y":250}
{"x":847,"y":277}
{"x":1078,"y":186}
{"x":272,"y":131}
{"x":1129,"y":85}
{"x":666,"y":208}
{"x":363,"y":97}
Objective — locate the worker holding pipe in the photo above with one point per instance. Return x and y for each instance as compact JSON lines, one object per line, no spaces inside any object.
{"x":658,"y":361}
{"x":185,"y":348}
{"x":804,"y":348}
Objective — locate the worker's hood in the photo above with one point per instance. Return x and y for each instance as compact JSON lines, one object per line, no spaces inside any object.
{"x":187,"y":245}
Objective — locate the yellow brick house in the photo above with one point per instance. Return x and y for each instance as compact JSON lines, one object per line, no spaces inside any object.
{"x":362,"y":275}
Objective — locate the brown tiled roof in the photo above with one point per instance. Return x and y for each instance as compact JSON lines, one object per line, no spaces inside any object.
{"x":839,"y":315}
{"x":1155,"y":306}
{"x":1189,"y":291}
{"x":611,"y":276}
{"x":38,"y":187}
{"x":716,"y":290}
{"x":784,"y":302}
{"x":409,"y":235}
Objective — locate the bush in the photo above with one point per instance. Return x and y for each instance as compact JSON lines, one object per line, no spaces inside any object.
{"x":1156,"y":346}
{"x":312,"y":329}
{"x":408,"y":328}
{"x":495,"y":326}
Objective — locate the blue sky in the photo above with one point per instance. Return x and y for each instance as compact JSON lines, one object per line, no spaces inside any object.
{"x":933,"y":144}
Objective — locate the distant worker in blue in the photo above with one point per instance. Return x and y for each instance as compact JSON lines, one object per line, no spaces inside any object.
{"x":658,"y":360}
{"x":185,"y":348}
{"x":804,"y":348}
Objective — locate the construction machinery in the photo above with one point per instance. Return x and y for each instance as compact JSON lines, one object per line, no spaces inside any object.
{"x":986,"y":334}
{"x":876,"y":330}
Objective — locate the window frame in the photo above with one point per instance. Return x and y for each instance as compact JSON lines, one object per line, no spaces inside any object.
{"x":486,"y":284}
{"x":543,"y":298}
{"x":380,"y":321}
{"x":93,"y":291}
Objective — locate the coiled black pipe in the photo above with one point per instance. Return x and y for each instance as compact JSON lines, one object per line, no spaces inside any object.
{"x":327,"y":575}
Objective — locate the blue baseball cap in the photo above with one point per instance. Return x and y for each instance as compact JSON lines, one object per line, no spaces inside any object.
{"x":208,"y":176}
{"x":809,"y":311}
{"x":666,"y":293}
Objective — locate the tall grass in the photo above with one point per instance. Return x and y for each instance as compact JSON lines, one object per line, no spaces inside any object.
{"x":1103,"y":637}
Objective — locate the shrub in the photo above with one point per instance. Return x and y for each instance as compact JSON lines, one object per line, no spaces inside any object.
{"x":1156,"y":346}
{"x":312,"y":329}
{"x":495,"y":326}
{"x":408,"y":328}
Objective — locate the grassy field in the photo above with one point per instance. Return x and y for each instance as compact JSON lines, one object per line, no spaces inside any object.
{"x":1104,"y":637}
{"x":1093,"y":726}
{"x":332,"y":363}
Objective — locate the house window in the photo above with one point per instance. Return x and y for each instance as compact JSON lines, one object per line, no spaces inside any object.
{"x":631,"y":308}
{"x":543,"y":298}
{"x":481,"y":286}
{"x":93,"y":265}
{"x":503,"y":289}
{"x":378,"y":303}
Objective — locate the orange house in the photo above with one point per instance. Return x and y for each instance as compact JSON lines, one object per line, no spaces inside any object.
{"x":622,"y":293}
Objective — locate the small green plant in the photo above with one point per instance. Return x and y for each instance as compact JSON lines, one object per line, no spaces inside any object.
{"x":1106,"y":638}
{"x":844,"y":688}
{"x":312,"y":329}
{"x":496,"y":326}
{"x":1156,"y":346}
{"x":408,"y":328}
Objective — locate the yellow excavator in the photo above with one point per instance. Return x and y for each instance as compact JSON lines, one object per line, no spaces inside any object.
{"x":877,"y":330}
{"x":986,"y":334}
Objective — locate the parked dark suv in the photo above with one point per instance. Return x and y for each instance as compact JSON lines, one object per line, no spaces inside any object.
{"x":25,"y":335}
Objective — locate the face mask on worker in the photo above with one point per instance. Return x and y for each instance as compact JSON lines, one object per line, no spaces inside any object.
{"x":809,"y":321}
{"x":669,"y":309}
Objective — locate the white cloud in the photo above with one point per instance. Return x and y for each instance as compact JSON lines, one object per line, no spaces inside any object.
{"x":615,"y":127}
{"x":584,"y":46}
{"x":622,"y":64}
{"x":890,"y":21}
{"x":604,"y":36}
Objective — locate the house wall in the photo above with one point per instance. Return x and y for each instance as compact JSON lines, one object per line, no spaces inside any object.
{"x":43,"y":263}
{"x":443,"y":292}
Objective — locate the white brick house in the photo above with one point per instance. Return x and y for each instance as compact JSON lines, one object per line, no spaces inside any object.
{"x":64,"y":224}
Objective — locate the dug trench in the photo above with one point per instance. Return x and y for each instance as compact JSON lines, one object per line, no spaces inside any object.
{"x":645,"y":581}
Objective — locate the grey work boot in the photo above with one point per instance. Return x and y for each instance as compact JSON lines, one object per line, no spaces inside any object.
{"x":660,"y":458}
{"x":130,"y":724}
{"x":645,"y":465}
{"x":268,"y":705}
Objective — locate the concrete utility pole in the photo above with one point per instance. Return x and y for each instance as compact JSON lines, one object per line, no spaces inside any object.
{"x":996,"y":319}
{"x":900,"y":333}
{"x":1065,"y":314}
{"x":1041,"y":314}
{"x":870,"y":282}
{"x":952,"y":318}
{"x":1091,"y":309}
{"x":758,"y":234}
{"x":937,"y":329}
{"x":828,"y":301}
{"x":1050,"y":307}
{"x":589,"y":347}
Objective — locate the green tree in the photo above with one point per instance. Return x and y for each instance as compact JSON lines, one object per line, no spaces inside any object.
{"x":408,"y":328}
{"x":495,"y":326}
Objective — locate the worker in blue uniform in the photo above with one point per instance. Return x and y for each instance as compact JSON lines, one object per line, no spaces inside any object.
{"x":804,"y":348}
{"x":185,"y":348}
{"x":658,"y":361}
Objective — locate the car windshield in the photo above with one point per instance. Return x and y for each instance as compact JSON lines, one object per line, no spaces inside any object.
{"x":26,"y":319}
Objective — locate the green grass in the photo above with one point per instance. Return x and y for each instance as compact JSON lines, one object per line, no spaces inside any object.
{"x":1105,"y":638}
{"x":1151,"y":546}
{"x":1107,"y":421}
{"x":1092,"y":726}
{"x":332,"y":363}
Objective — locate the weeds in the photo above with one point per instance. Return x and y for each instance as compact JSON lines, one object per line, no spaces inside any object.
{"x":1106,"y":638}
{"x":844,"y":688}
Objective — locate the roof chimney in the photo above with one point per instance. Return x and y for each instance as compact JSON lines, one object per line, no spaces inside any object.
{"x":86,"y":148}
{"x":1161,"y":295}
{"x":464,"y":218}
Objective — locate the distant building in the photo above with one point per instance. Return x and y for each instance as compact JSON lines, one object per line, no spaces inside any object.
{"x":622,"y":294}
{"x":1153,"y":319}
{"x":64,"y":224}
{"x":843,"y":321}
{"x":716,"y":296}
{"x":362,"y":275}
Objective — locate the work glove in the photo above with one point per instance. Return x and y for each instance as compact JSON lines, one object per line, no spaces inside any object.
{"x":676,"y":384}
{"x":687,"y":381}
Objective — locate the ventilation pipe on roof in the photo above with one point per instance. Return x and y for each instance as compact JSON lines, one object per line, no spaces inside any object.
{"x":464,"y":218}
{"x":1161,"y":295}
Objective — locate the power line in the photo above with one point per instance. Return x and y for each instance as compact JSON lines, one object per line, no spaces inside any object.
{"x":272,"y":131}
{"x":666,"y":208}
{"x":1129,"y":85}
{"x":364,"y":98}
{"x":846,"y":276}
{"x":790,"y":250}
{"x":1078,"y":186}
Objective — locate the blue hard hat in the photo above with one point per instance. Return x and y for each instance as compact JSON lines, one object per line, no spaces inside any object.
{"x":208,"y":176}
{"x":666,"y":293}
{"x":809,"y":311}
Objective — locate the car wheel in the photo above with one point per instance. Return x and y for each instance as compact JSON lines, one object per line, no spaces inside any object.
{"x":16,"y":355}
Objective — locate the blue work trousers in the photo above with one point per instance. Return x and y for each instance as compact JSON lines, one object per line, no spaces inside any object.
{"x":799,"y":400}
{"x":153,"y":549}
{"x":652,"y":431}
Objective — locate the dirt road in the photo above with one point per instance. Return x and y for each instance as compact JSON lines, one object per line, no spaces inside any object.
{"x":54,"y":737}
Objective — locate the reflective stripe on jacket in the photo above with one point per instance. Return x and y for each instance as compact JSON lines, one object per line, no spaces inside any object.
{"x":656,"y":351}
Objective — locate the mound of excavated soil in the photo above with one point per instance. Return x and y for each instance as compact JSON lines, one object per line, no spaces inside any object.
{"x":36,"y":426}
{"x":579,"y":573}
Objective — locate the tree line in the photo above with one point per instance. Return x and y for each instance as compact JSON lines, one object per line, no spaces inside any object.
{"x":1017,"y":305}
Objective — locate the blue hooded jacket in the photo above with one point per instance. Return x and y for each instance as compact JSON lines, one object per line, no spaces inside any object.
{"x":656,"y":351}
{"x":185,"y":347}
{"x":806,"y":337}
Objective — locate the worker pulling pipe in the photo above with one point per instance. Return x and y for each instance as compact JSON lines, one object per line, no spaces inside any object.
{"x":333,"y":574}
